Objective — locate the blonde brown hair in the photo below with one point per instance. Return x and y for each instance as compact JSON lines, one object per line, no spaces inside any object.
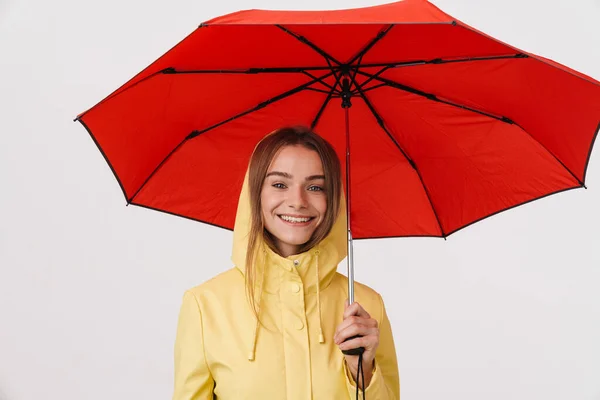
{"x":261,"y":159}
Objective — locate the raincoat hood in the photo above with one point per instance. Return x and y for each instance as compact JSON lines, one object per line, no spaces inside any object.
{"x":321,"y":261}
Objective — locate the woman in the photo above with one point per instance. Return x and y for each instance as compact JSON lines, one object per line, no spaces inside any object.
{"x":273,"y":326}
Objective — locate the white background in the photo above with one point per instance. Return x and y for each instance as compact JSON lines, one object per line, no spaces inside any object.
{"x":508,"y":308}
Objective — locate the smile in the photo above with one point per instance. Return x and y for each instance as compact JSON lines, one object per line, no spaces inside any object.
{"x":295,"y":220}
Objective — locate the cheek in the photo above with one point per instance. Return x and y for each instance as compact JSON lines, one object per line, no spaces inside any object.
{"x":264,"y":205}
{"x":268,"y":202}
{"x":321,"y":207}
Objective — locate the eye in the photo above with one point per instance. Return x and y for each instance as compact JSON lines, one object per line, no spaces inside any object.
{"x":315,"y":188}
{"x":278,"y":185}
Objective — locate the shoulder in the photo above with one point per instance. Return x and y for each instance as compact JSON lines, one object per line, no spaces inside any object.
{"x":359,"y":288}
{"x":368,"y":297}
{"x":223,"y":283}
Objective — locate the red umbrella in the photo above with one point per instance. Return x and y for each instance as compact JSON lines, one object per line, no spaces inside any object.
{"x":446,"y":125}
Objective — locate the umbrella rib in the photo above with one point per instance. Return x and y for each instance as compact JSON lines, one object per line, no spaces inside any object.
{"x":374,"y":76}
{"x":369,"y":45}
{"x":310,"y":44}
{"x":318,"y":90}
{"x":318,"y":116}
{"x":320,"y":80}
{"x":252,"y":70}
{"x":433,"y":97}
{"x":195,"y":133}
{"x":438,"y":61}
{"x":370,"y":88}
{"x":410,"y":160}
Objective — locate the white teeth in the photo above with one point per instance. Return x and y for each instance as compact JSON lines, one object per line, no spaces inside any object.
{"x":294,"y":219}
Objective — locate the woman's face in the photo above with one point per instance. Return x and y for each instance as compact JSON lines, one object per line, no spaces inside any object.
{"x":293,"y":199}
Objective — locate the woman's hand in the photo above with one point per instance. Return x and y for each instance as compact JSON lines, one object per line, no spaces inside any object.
{"x":358,"y":322}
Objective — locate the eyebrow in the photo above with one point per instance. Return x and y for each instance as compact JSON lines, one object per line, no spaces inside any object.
{"x":288,"y":176}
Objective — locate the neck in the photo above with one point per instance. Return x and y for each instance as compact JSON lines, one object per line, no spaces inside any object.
{"x":287,"y":250}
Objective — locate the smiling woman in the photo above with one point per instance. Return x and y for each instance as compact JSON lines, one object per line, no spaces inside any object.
{"x":289,"y":237}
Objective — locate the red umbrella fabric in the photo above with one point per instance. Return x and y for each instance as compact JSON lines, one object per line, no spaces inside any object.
{"x":447,"y":125}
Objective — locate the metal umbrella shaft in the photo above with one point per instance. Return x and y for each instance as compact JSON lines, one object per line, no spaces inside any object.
{"x":346,"y":104}
{"x":350,"y":258}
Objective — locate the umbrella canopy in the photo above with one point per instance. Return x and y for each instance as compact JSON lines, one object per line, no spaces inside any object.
{"x":447,"y":125}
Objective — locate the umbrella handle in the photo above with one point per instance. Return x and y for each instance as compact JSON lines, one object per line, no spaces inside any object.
{"x":356,"y":351}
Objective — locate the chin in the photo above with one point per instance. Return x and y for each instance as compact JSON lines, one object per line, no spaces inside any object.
{"x":295,"y":241}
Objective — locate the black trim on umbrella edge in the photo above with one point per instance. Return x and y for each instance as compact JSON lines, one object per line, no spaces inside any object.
{"x":587,"y":163}
{"x":181,"y":216}
{"x":89,"y":131}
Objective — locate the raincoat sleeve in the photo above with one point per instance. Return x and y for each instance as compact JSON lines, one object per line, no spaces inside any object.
{"x":193,"y":379}
{"x":385,"y":383}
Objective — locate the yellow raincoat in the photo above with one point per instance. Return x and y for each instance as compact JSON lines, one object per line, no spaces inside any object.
{"x":221,"y":352}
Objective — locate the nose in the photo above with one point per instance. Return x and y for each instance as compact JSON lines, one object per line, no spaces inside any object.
{"x":297,"y":198}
